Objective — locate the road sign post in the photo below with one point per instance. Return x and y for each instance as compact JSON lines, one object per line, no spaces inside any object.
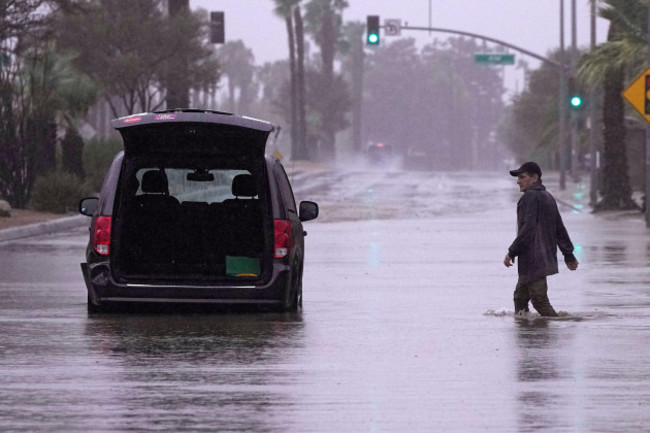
{"x":638,"y":95}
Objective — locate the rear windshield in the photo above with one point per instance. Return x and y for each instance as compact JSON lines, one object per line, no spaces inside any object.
{"x":185,"y":184}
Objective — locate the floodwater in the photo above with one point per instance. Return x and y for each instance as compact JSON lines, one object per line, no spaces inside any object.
{"x":407,"y":325}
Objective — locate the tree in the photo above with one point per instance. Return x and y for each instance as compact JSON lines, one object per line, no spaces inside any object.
{"x":435,"y":102}
{"x":531,"y":132}
{"x":607,"y":66}
{"x":301,"y":87}
{"x":237,"y":64}
{"x":177,"y":89}
{"x":132,"y":52}
{"x":353,"y":64}
{"x":27,"y":133}
{"x":284,"y":9}
{"x":324,"y":22}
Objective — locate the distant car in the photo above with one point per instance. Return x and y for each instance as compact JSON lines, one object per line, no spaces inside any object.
{"x":380,"y":153}
{"x":193,"y":212}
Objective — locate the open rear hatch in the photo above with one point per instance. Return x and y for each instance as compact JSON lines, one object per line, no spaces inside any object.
{"x":193,"y":132}
{"x":193,"y":199}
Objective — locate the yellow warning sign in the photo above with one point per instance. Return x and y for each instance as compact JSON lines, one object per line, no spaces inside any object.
{"x":638,"y":94}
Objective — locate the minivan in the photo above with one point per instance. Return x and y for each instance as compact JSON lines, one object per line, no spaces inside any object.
{"x":192,"y":211}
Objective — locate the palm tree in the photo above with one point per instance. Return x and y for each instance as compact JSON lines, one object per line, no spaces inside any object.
{"x":284,"y":9}
{"x":623,"y":54}
{"x":353,"y":64}
{"x":324,"y":22}
{"x":301,"y":87}
{"x":237,"y":63}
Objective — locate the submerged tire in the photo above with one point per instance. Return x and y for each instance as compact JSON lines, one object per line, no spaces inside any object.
{"x":292,"y":299}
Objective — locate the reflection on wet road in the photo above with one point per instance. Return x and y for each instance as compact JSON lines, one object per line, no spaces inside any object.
{"x":407,"y":326}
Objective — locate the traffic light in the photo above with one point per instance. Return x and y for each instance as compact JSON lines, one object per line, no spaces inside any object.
{"x":217,"y":28}
{"x":575,"y":96}
{"x":372,"y":28}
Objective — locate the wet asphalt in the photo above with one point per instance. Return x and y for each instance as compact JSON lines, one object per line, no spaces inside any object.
{"x":407,"y":325}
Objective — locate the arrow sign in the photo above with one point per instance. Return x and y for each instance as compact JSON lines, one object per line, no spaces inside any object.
{"x":637,"y":94}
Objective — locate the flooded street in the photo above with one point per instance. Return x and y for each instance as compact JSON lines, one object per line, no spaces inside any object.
{"x":407,"y":326}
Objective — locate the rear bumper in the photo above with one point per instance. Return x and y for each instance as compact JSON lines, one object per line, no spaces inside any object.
{"x":103,"y":289}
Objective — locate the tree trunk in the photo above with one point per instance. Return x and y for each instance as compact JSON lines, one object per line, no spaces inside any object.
{"x":328,"y":50}
{"x":358,"y":56}
{"x":301,"y":111}
{"x":294,"y":87}
{"x":72,"y":153}
{"x":615,"y":189}
{"x":178,"y":88}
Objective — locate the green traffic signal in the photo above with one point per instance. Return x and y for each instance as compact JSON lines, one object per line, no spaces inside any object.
{"x":576,"y":101}
{"x":372,"y":29}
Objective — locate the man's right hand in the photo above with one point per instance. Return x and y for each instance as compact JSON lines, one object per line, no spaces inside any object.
{"x":508,"y":261}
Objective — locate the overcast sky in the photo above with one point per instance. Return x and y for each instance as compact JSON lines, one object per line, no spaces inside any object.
{"x":530,"y":24}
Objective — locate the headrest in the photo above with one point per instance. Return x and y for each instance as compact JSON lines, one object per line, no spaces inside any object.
{"x":243,"y":185}
{"x":155,"y":182}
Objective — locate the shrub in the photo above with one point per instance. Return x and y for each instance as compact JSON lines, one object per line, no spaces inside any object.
{"x":58,"y":192}
{"x":97,"y":157}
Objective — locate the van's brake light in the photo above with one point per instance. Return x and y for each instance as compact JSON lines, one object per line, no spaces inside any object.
{"x":102,"y":235}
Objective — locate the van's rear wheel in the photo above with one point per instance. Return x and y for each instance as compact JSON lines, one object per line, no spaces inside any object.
{"x":294,"y":298}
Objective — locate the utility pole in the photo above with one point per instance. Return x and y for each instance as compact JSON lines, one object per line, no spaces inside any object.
{"x":562,"y":104}
{"x":593,"y":114}
{"x":573,"y":151}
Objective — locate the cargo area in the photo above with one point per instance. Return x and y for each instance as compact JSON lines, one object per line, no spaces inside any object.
{"x":179,"y":220}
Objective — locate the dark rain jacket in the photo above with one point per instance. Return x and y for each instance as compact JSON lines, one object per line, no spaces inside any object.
{"x":540,"y":232}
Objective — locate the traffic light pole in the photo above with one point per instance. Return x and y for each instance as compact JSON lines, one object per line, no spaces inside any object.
{"x":563,"y":70}
{"x":552,"y":62}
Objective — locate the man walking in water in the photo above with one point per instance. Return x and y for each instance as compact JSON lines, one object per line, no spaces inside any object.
{"x":540,"y":232}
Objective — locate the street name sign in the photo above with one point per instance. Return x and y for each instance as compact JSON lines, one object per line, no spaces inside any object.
{"x":494,"y":59}
{"x":638,"y":94}
{"x":392,"y":27}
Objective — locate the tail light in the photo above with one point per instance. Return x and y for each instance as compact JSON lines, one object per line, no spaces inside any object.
{"x":102,"y":235}
{"x":282,"y":238}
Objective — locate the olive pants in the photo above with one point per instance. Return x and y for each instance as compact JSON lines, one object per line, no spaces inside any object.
{"x":537,"y":292}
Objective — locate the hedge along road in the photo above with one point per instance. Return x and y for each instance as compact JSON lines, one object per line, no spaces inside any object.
{"x":407,"y":325}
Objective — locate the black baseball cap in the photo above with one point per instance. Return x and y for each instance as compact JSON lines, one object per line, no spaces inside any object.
{"x":527,"y":167}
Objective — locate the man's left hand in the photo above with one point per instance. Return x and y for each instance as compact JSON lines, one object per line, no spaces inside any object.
{"x":572,"y":265}
{"x":508,"y":261}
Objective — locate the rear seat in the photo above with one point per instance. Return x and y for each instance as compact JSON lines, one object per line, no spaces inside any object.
{"x":244,"y":216}
{"x":150,"y":232}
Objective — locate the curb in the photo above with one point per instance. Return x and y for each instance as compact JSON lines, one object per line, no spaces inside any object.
{"x":43,"y":228}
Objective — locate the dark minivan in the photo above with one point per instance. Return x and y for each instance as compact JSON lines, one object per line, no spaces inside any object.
{"x":194,"y":212}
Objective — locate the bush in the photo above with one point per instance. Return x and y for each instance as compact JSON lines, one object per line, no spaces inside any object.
{"x":58,"y":192}
{"x":97,"y":157}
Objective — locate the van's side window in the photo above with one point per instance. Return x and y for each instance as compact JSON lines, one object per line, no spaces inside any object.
{"x":285,"y":188}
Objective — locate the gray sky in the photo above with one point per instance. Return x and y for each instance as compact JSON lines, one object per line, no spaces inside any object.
{"x":530,"y":24}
